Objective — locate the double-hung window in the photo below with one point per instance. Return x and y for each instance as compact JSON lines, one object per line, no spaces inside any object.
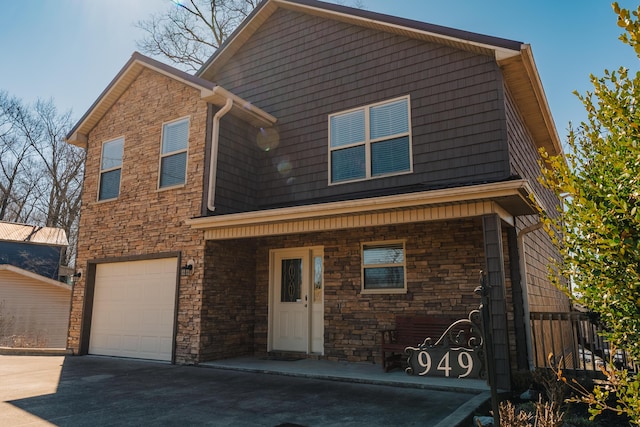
{"x":383,"y":267}
{"x":110,"y":169}
{"x":173,"y":156}
{"x":370,"y":142}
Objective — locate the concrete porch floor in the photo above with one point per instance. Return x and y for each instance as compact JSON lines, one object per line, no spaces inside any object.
{"x":363,"y":373}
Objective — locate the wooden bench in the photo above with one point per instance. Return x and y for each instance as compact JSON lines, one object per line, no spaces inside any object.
{"x":410,"y":331}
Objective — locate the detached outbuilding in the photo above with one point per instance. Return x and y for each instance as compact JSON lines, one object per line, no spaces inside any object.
{"x":34,"y":303}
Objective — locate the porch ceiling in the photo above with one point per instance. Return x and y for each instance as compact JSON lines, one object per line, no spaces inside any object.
{"x":507,"y":199}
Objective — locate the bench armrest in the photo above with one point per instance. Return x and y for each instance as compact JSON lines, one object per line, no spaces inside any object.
{"x":388,"y":336}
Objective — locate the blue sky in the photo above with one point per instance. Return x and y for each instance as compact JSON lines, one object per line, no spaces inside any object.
{"x":69,"y":50}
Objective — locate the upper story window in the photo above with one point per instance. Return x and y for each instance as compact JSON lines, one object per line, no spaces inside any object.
{"x":383,"y":267}
{"x":110,"y":169}
{"x":370,"y":142}
{"x":173,"y":156}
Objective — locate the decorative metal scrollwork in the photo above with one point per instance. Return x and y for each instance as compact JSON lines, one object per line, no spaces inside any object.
{"x":457,"y":353}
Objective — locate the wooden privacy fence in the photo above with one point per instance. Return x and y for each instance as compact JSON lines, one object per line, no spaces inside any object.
{"x":574,"y":343}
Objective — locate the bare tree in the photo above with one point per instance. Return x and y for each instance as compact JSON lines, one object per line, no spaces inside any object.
{"x":14,"y":161}
{"x":40,"y":174}
{"x":189,"y":32}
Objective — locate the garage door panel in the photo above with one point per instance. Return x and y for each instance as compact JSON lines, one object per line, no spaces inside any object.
{"x":113,"y":341}
{"x":135,"y":293}
{"x":134,"y":309}
{"x":131,"y":343}
{"x":111,"y":320}
{"x":161,"y":289}
{"x":166,"y":344}
{"x":166,"y":318}
{"x":116,"y":270}
{"x":151,"y":317}
{"x":127,"y":317}
{"x":150,"y":344}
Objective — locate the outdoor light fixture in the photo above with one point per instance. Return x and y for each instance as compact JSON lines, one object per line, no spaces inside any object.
{"x":73,"y":278}
{"x":187,"y":269}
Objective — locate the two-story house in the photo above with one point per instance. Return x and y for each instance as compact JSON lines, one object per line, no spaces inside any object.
{"x":327,"y":169}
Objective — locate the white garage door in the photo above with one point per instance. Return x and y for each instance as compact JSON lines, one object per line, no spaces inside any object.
{"x":133,"y":309}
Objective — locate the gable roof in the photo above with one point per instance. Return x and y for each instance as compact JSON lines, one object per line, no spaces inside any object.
{"x":515,"y":58}
{"x":209,"y":92}
{"x":13,"y":232}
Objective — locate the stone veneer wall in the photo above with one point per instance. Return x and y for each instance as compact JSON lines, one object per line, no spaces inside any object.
{"x":443,"y":261}
{"x":228,"y":318}
{"x":145,"y":220}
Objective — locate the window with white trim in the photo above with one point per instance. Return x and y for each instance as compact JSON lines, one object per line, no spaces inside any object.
{"x":370,"y":142}
{"x":383,"y":267}
{"x":173,"y":156}
{"x":110,"y":169}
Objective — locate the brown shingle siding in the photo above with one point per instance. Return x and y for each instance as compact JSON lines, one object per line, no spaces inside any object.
{"x":301,"y":68}
{"x":524,"y":157}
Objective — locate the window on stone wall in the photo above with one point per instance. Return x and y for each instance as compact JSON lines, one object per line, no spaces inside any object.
{"x":383,"y":267}
{"x":173,"y":157}
{"x":110,"y":169}
{"x":370,"y":142}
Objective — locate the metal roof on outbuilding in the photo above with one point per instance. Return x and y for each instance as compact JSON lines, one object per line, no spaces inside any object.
{"x":13,"y":232}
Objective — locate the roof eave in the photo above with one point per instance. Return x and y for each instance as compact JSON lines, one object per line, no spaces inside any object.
{"x":514,"y":196}
{"x":488,"y":45}
{"x":241,"y":108}
{"x":523,"y":80}
{"x":209,"y":92}
{"x":506,"y":52}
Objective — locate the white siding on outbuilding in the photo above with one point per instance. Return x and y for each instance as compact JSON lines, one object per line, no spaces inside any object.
{"x":34,"y":310}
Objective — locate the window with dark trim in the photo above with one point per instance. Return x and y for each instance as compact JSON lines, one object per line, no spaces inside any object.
{"x":173,"y":156}
{"x":383,"y":267}
{"x":110,"y":169}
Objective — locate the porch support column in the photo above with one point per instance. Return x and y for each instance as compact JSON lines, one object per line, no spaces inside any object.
{"x":494,"y":262}
{"x":518,"y":299}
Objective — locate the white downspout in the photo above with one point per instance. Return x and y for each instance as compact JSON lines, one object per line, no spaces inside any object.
{"x":213,"y":163}
{"x":525,"y":289}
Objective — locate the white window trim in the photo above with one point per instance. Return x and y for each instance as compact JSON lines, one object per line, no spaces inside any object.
{"x":402,"y":290}
{"x":368,"y":141}
{"x":163,"y":155}
{"x":102,"y":171}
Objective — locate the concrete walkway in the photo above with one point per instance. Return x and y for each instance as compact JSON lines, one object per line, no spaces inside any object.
{"x":103,"y":391}
{"x":364,"y":373}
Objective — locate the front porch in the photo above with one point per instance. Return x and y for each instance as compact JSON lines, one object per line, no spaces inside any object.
{"x":242,"y":289}
{"x":442,"y":239}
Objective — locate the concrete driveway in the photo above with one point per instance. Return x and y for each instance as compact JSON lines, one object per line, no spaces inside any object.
{"x":100,"y":391}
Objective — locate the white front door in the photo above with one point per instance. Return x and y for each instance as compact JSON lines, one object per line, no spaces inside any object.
{"x":297,"y":306}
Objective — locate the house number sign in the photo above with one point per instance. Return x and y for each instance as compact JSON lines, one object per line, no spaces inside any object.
{"x":444,"y":362}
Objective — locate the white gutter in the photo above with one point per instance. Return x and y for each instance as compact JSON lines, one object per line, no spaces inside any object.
{"x":213,"y":163}
{"x":525,"y":289}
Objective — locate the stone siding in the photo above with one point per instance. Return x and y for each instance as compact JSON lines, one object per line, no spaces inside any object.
{"x":145,"y":220}
{"x":228,"y":319}
{"x":443,"y":261}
